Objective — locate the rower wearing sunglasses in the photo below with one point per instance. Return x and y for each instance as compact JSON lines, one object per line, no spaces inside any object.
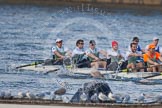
{"x":79,"y":55}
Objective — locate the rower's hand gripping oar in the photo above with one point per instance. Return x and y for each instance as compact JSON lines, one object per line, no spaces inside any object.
{"x":118,"y":68}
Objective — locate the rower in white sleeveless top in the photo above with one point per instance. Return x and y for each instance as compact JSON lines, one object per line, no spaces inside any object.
{"x":59,"y":52}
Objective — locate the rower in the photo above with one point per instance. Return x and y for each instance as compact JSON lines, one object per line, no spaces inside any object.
{"x":79,"y":56}
{"x":152,"y":57}
{"x":139,"y":49}
{"x":136,"y":40}
{"x":115,"y":55}
{"x":59,"y":52}
{"x":93,"y":55}
{"x":132,"y":56}
{"x":157,"y":47}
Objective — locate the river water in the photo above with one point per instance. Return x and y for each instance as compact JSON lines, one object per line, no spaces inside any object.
{"x":28,"y":32}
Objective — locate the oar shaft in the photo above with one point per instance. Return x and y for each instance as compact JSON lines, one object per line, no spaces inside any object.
{"x":50,"y":71}
{"x":24,"y":66}
{"x":32,"y":64}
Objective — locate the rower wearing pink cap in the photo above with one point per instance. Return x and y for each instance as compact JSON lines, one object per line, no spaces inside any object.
{"x":115,"y":55}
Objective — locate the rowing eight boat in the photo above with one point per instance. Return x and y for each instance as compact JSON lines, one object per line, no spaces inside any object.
{"x":87,"y":71}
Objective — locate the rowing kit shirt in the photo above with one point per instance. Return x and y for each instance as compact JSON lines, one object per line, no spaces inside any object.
{"x":61,"y":50}
{"x":79,"y":54}
{"x":138,"y":51}
{"x":93,"y":51}
{"x":133,"y":59}
{"x":153,"y":57}
{"x":78,"y":51}
{"x":113,"y":55}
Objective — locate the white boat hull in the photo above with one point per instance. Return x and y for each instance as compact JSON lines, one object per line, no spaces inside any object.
{"x":138,"y":74}
{"x":40,"y":68}
{"x":54,"y":68}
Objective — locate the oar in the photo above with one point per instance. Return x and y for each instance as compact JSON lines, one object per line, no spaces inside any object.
{"x":154,"y":75}
{"x":46,"y":62}
{"x":50,"y":71}
{"x":31,"y":64}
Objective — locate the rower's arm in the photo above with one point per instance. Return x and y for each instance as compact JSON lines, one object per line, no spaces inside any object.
{"x":104,"y":53}
{"x":152,"y":62}
{"x":93,"y":56}
{"x":120,"y":56}
{"x":131,"y":54}
{"x":160,"y":58}
{"x":148,"y":60}
{"x":143,"y":51}
{"x":58,"y":54}
{"x":69,"y":53}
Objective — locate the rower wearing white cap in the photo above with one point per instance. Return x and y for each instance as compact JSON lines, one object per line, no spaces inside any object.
{"x":157,"y":47}
{"x":59,"y":52}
